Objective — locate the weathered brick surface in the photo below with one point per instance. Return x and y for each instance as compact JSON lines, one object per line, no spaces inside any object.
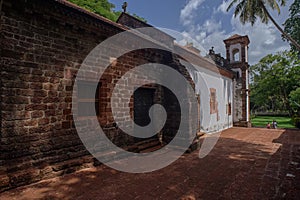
{"x":43,"y":44}
{"x":38,"y":47}
{"x":245,"y":164}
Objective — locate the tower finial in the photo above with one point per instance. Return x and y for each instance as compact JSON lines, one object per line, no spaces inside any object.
{"x":211,"y":51}
{"x":124,"y":6}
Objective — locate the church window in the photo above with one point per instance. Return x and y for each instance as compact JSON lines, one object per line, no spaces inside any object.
{"x":229,"y":109}
{"x":213,"y":101}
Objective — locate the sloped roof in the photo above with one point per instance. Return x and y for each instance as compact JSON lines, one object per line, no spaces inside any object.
{"x":130,"y":21}
{"x":234,"y":36}
{"x":128,"y":16}
{"x":237,"y":37}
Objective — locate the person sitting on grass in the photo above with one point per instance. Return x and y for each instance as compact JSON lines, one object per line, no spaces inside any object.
{"x":268,"y":125}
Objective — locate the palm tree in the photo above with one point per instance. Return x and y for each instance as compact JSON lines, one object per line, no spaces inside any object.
{"x":249,"y":10}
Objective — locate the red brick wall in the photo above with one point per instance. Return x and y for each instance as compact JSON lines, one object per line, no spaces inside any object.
{"x":43,"y":44}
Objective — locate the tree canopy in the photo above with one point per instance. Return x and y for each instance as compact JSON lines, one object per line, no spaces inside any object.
{"x":101,"y":7}
{"x":295,"y":100}
{"x":292,"y":24}
{"x":275,"y":82}
{"x":250,"y":10}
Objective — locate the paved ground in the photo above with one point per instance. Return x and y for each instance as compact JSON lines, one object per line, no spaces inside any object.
{"x":245,"y":164}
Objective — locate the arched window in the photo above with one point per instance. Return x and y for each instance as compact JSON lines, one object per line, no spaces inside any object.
{"x":236,"y":55}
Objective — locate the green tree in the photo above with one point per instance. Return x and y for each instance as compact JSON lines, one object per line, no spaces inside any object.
{"x":295,"y":100}
{"x":292,"y":24}
{"x":101,"y":7}
{"x":273,"y":79}
{"x":249,"y":10}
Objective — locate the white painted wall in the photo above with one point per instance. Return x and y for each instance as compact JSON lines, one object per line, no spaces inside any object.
{"x":204,"y":80}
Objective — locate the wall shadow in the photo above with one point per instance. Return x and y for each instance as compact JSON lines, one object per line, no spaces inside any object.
{"x":244,"y":164}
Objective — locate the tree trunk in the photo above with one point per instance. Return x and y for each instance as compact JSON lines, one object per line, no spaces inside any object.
{"x":287,"y":104}
{"x":285,"y":99}
{"x":287,"y":36}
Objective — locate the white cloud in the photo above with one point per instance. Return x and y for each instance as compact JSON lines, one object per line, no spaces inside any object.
{"x":204,"y":36}
{"x":185,"y":38}
{"x":211,"y":25}
{"x":187,"y":13}
{"x":223,"y":7}
{"x":264,"y":39}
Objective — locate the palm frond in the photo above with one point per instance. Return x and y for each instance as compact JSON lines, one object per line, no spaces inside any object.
{"x":238,"y":9}
{"x":231,"y":4}
{"x":274,"y":5}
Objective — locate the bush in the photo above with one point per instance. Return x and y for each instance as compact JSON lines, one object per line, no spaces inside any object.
{"x":296,"y":121}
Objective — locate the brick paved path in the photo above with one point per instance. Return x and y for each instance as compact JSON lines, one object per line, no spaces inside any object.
{"x":245,"y":164}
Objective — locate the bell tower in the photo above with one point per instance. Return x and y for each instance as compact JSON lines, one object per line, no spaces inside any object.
{"x":237,"y":59}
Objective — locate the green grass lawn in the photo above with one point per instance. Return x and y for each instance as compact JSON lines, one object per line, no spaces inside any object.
{"x":282,"y":122}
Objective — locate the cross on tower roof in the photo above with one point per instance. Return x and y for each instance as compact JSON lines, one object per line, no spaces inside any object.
{"x":124,"y":6}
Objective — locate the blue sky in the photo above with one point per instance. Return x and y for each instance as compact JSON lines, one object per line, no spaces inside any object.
{"x":209,"y":24}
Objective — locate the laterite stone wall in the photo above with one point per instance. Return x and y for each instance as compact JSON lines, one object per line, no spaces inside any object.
{"x":43,"y":44}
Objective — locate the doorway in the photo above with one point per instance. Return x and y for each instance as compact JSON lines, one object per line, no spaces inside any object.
{"x":143,"y":100}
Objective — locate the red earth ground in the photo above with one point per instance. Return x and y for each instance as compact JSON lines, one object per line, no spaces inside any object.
{"x":245,"y":164}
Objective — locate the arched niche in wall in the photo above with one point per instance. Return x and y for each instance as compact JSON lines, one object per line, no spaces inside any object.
{"x":236,"y":55}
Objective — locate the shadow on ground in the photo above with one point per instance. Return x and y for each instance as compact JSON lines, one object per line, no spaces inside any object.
{"x":245,"y":164}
